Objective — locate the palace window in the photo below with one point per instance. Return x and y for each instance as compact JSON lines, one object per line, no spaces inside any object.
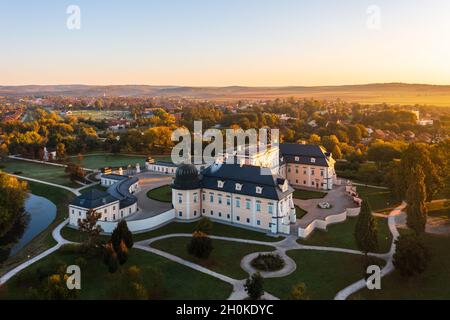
{"x":313,"y":160}
{"x":258,"y":206}
{"x":247,"y":204}
{"x":259,"y":190}
{"x":238,"y":186}
{"x":220,"y":184}
{"x":238,"y":203}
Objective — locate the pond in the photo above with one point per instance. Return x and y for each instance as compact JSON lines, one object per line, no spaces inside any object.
{"x":41,"y":212}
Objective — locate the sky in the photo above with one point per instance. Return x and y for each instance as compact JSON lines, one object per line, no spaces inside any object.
{"x":225,"y":42}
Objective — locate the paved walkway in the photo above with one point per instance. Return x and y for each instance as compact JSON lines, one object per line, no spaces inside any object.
{"x":239,"y":293}
{"x":148,"y":207}
{"x":60,"y":242}
{"x":388,"y":268}
{"x":337,"y":197}
{"x":73,"y":190}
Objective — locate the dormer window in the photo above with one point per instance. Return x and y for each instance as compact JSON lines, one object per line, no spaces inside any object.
{"x":238,"y":187}
{"x":220,"y":184}
{"x":313,"y":160}
{"x":297,"y":159}
{"x":259,"y":190}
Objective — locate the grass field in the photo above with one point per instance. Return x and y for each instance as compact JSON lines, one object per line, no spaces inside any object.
{"x":162,"y":194}
{"x":178,"y":281}
{"x":341,"y":235}
{"x":299,"y":212}
{"x":432,"y":284}
{"x":324,"y":274}
{"x":225,"y":258}
{"x":379,"y":199}
{"x":97,"y":161}
{"x":218,"y":229}
{"x":61,"y":198}
{"x":44,"y":172}
{"x":308,"y":194}
{"x":101,"y":115}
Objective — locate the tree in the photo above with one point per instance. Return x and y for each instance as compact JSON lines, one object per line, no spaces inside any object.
{"x":299,"y":292}
{"x":254,"y":286}
{"x":110,"y":258}
{"x":205,"y":225}
{"x":75,"y":172}
{"x":60,"y":152}
{"x":89,"y":226}
{"x":419,"y":154}
{"x":122,"y":233}
{"x":411,"y":256}
{"x":122,"y":253}
{"x":416,"y":211}
{"x":366,"y":230}
{"x":314,"y":139}
{"x":55,"y":288}
{"x":200,"y":245}
{"x":13,"y":219}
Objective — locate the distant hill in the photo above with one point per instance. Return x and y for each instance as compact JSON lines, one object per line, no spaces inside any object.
{"x":395,"y":93}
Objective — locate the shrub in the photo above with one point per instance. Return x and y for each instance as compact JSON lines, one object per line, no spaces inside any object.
{"x":411,"y":256}
{"x":268,"y":262}
{"x":200,"y":245}
{"x":254,"y":286}
{"x":205,"y":225}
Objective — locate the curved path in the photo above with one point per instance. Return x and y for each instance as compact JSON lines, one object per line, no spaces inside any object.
{"x":73,"y":190}
{"x":60,"y":242}
{"x":239,"y":293}
{"x":388,"y":268}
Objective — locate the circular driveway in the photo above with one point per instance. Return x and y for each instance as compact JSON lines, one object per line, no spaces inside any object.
{"x":148,"y":207}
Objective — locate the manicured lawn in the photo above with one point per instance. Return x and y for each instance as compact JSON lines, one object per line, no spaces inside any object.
{"x":324,"y":274}
{"x":178,"y":281}
{"x":341,"y":235}
{"x":379,"y":199}
{"x":225,"y":257}
{"x":175,"y":227}
{"x":162,"y":194}
{"x":299,"y":212}
{"x":44,"y":172}
{"x":61,"y":198}
{"x":77,"y":236}
{"x":97,"y":161}
{"x":308,"y":194}
{"x":432,"y":284}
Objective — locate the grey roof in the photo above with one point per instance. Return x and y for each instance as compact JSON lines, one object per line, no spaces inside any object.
{"x":166,"y":163}
{"x":288,"y":151}
{"x":113,"y":176}
{"x":249,"y":176}
{"x":93,"y":199}
{"x":120,"y":192}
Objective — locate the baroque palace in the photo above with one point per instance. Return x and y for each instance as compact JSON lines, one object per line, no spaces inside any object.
{"x":255,"y":191}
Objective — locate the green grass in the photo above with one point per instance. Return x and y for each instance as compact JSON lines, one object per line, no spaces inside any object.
{"x":324,"y":274}
{"x":218,"y":229}
{"x":432,"y":284}
{"x":299,"y":212}
{"x":379,"y":199}
{"x":97,"y":161}
{"x":225,"y":257}
{"x":162,"y":194}
{"x":179,"y":282}
{"x":308,"y":194}
{"x":341,"y":235}
{"x":44,"y":172}
{"x":61,"y":198}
